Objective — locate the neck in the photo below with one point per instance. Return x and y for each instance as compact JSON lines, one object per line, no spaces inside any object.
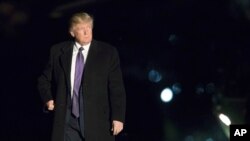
{"x":83,"y":44}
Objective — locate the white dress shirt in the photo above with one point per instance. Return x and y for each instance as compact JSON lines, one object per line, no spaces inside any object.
{"x":75,"y":51}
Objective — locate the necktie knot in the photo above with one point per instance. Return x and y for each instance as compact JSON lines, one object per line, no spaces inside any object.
{"x":80,"y":49}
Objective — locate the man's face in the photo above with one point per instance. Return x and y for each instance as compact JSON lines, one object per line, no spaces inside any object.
{"x":82,"y":32}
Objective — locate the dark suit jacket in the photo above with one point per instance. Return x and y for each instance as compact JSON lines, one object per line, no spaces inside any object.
{"x":103,"y":89}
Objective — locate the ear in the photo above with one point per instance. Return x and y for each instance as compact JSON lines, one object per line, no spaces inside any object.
{"x":72,"y":33}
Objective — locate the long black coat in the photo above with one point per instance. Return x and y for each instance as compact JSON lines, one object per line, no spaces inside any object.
{"x":103,"y":91}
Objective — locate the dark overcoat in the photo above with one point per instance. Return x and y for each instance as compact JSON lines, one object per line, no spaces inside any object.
{"x":103,"y":90}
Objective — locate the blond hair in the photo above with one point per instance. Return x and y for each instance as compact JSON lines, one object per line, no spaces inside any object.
{"x":80,"y":17}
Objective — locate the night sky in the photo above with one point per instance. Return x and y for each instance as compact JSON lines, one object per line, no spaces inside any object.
{"x":203,"y":45}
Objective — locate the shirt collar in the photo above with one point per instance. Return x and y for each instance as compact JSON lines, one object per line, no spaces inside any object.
{"x":85,"y":47}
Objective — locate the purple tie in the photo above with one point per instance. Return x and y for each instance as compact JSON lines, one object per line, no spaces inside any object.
{"x":77,"y":82}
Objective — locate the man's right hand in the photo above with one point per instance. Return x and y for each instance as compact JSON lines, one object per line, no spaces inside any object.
{"x":50,"y":105}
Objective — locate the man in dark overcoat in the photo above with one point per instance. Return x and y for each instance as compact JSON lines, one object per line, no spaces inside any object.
{"x":88,"y":100}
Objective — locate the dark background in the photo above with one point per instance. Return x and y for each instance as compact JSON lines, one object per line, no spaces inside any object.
{"x":203,"y":45}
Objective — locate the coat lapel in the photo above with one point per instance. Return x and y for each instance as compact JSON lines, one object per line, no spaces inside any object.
{"x":66,"y":59}
{"x":89,"y":67}
{"x":91,"y":56}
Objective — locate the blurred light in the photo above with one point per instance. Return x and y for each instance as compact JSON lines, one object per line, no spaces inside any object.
{"x":59,"y":11}
{"x":209,"y":139}
{"x":154,"y":76}
{"x":234,"y":108}
{"x":166,"y":95}
{"x":210,"y":88}
{"x":225,"y":119}
{"x":199,"y":89}
{"x":189,"y":138}
{"x":176,"y":88}
{"x":173,"y":39}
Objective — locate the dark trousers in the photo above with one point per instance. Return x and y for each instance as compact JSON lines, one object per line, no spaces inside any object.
{"x":74,"y":126}
{"x":72,"y":132}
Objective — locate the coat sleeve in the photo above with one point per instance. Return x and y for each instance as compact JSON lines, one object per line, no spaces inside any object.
{"x":45,"y":81}
{"x":116,"y":89}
